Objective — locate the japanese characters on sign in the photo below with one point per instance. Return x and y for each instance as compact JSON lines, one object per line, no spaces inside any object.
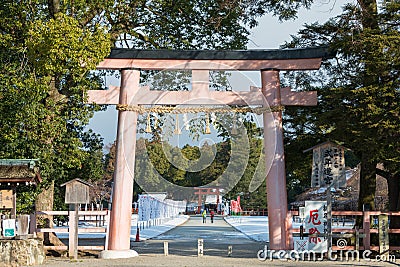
{"x":200,"y":247}
{"x":328,"y":166}
{"x":6,"y":199}
{"x":383,"y":232}
{"x":316,"y":225}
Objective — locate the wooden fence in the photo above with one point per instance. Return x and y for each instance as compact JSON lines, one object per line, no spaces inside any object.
{"x":101,"y":218}
{"x":363,"y":234}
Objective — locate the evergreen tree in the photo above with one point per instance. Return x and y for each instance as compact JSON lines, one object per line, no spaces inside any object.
{"x":358,"y":92}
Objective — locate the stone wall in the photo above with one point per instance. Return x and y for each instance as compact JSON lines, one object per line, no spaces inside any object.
{"x":21,"y":252}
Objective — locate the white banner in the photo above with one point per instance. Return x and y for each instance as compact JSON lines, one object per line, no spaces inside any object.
{"x":316,"y":223}
{"x":152,"y":208}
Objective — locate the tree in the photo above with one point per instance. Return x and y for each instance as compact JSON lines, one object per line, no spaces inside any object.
{"x":358,"y":91}
{"x":42,"y":80}
{"x":49,"y":49}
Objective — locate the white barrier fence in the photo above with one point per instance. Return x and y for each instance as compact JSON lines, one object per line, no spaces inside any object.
{"x":153,"y":211}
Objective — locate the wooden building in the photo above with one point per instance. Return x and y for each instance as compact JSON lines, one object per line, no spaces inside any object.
{"x":13,"y":173}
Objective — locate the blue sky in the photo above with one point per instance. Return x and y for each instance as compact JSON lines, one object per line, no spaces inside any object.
{"x":269,"y":34}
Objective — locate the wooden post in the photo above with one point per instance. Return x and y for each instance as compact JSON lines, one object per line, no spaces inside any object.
{"x":200,"y":247}
{"x":73,"y":231}
{"x":383,"y":232}
{"x":329,"y":216}
{"x":14,"y":200}
{"x":199,"y":202}
{"x":357,"y":239}
{"x":32,"y":223}
{"x":107,"y":219}
{"x":289,"y":219}
{"x":366,"y":228}
{"x":165,"y":248}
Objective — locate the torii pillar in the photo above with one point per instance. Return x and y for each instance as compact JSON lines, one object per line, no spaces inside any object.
{"x":269,"y":62}
{"x":278,"y":222}
{"x":120,"y":216}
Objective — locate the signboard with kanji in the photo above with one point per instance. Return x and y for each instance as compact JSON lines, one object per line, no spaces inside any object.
{"x":383,"y":232}
{"x":328,"y":166}
{"x":77,"y":191}
{"x":316,"y":225}
{"x":6,"y":199}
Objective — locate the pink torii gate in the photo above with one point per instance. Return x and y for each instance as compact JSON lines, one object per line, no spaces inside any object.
{"x":204,"y":191}
{"x":269,"y":62}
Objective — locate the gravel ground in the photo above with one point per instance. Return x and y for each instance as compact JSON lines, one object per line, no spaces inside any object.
{"x":194,"y":261}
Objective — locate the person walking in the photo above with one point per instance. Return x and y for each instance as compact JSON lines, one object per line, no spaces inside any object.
{"x":204,"y":215}
{"x":212,"y":216}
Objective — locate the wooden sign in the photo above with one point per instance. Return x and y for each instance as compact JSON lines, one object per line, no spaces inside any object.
{"x":77,"y":192}
{"x":383,"y":235}
{"x":328,"y":166}
{"x":6,"y":199}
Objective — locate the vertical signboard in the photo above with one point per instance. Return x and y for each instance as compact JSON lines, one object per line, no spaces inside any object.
{"x":316,"y":225}
{"x":383,"y":235}
{"x":6,"y":199}
{"x":328,"y":166}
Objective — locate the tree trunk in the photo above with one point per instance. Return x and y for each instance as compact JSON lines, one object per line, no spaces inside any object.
{"x":368,"y":166}
{"x":44,"y":202}
{"x":393,"y":181}
{"x":367,"y":184}
{"x":54,"y":7}
{"x":394,"y":200}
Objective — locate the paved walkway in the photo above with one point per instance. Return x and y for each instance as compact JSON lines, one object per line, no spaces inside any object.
{"x":217,"y":237}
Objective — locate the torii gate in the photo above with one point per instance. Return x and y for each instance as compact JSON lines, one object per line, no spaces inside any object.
{"x":200,"y":191}
{"x":269,"y":62}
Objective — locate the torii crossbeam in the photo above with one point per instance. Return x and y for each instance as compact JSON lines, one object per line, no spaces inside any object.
{"x":269,"y":62}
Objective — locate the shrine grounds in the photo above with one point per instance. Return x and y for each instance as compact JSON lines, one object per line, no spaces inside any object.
{"x":217,"y":237}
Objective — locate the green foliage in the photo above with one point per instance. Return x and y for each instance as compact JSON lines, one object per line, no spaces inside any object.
{"x":24,"y":200}
{"x":192,"y":166}
{"x":49,"y":49}
{"x":45,"y":72}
